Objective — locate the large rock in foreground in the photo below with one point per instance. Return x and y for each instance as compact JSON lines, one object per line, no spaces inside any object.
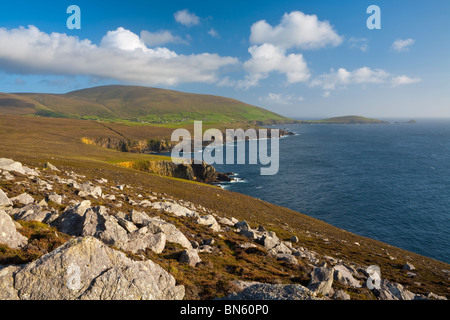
{"x":85,"y":268}
{"x":9,"y":234}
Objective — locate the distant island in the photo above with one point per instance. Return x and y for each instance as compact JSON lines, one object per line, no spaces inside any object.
{"x":344,"y":120}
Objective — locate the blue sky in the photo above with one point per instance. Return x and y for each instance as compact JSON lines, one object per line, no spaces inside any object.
{"x":304,"y":59}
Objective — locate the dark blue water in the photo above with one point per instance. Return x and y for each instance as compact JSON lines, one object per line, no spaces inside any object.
{"x":388,"y":182}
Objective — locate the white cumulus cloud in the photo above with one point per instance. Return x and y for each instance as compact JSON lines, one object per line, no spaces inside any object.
{"x":296,"y":30}
{"x":365,"y":75}
{"x":402,"y":45}
{"x":187,"y":18}
{"x":267,"y":58}
{"x":122,"y":55}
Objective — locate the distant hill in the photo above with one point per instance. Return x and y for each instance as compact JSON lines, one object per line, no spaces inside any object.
{"x":136,"y":104}
{"x":345,"y":120}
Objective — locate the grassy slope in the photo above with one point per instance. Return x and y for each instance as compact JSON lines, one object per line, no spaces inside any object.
{"x":35,"y":141}
{"x":136,"y":105}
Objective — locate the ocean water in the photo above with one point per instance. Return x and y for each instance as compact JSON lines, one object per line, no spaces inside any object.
{"x":389,"y":182}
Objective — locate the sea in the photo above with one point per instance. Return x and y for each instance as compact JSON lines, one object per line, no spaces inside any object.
{"x":389,"y":182}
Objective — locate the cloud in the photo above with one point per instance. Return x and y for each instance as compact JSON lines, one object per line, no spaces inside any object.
{"x":213,"y":33}
{"x":160,"y":38}
{"x":122,"y":55}
{"x":364,"y":75}
{"x":401,"y":80}
{"x":186,"y":18}
{"x":268,"y":58}
{"x":402,"y":45}
{"x":296,"y":30}
{"x":359,"y":43}
{"x":280,"y":99}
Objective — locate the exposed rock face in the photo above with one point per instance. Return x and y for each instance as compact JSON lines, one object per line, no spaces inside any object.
{"x":23,"y":198}
{"x":321,"y":281}
{"x":142,"y":239}
{"x":273,"y":292}
{"x":87,"y":189}
{"x":344,"y":276}
{"x":7,"y":291}
{"x":172,"y":233}
{"x":174,"y":208}
{"x":71,"y":220}
{"x":210,"y":221}
{"x":33,"y":212}
{"x":11,"y":165}
{"x":4,"y":200}
{"x":408,"y":266}
{"x":98,"y":223}
{"x":9,"y":234}
{"x":393,"y":291}
{"x":190,"y":257}
{"x":49,"y":166}
{"x":85,"y":268}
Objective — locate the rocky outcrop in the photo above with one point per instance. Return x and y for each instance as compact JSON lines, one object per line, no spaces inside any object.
{"x":321,"y":281}
{"x":4,"y":200}
{"x":85,"y":268}
{"x":11,"y":165}
{"x":9,"y":234}
{"x":210,"y":221}
{"x":190,"y":257}
{"x":273,"y":292}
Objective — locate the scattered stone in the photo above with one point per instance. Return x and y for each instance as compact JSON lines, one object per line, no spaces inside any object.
{"x":262,"y":291}
{"x":48,"y":165}
{"x":343,"y":275}
{"x":33,"y":212}
{"x":408,"y":266}
{"x":143,"y":239}
{"x":247,"y":245}
{"x":98,"y":223}
{"x":210,"y":221}
{"x":23,"y":198}
{"x":242,"y":225}
{"x":127,"y":225}
{"x":294,"y":239}
{"x":226,"y":221}
{"x":141,"y":219}
{"x":393,"y":291}
{"x":190,"y":257}
{"x":71,"y":220}
{"x":433,"y":296}
{"x":87,"y":189}
{"x":208,"y":242}
{"x":174,"y":208}
{"x":9,"y":234}
{"x":288,"y":258}
{"x":321,"y":281}
{"x":11,"y":165}
{"x":56,"y":198}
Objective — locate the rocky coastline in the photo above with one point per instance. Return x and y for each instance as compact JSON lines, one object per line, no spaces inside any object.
{"x":73,"y":237}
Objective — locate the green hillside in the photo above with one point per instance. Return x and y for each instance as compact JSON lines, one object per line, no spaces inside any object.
{"x":136,"y":105}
